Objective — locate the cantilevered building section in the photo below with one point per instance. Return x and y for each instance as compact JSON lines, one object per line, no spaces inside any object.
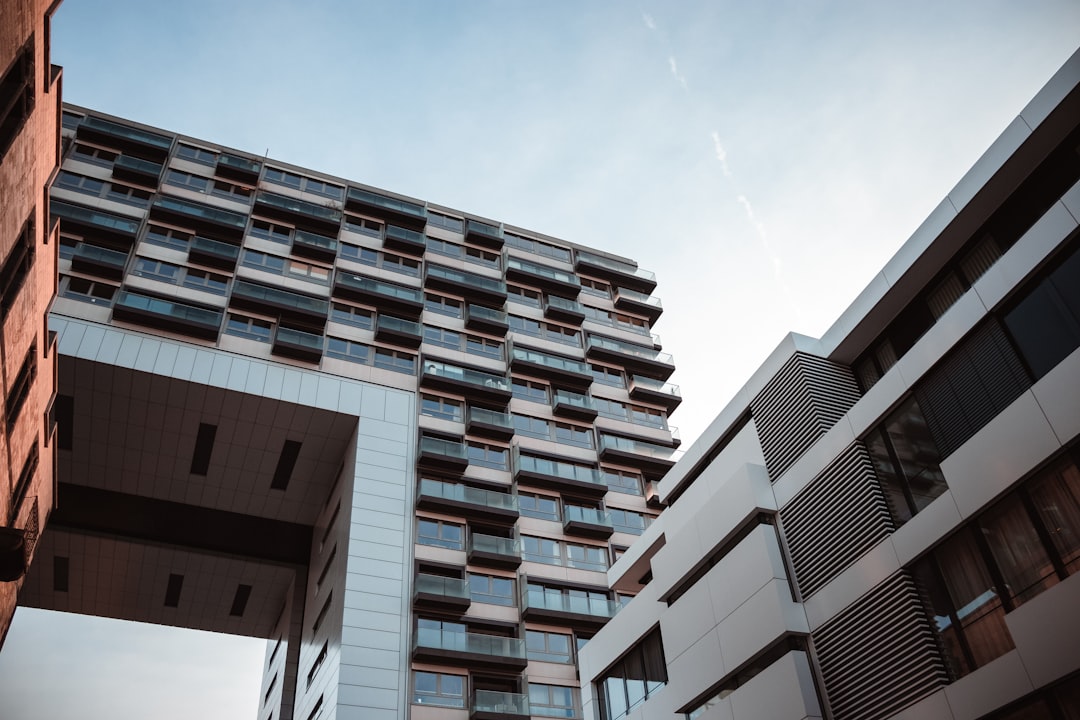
{"x":402,"y":443}
{"x":885,"y":522}
{"x":29,"y":157}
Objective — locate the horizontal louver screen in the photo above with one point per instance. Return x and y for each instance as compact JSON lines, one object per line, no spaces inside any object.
{"x":799,"y":405}
{"x":840,"y":515}
{"x":879,"y":655}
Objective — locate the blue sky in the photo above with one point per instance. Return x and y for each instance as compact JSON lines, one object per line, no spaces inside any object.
{"x":764,"y":159}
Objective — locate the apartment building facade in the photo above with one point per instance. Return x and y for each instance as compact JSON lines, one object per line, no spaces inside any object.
{"x":885,"y":522}
{"x":29,"y":158}
{"x":401,"y":442}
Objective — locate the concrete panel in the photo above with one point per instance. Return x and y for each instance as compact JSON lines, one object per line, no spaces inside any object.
{"x":782,"y":691}
{"x":871,"y":407}
{"x":932,"y":707}
{"x":1063,"y":81}
{"x":683,"y":548}
{"x":863,"y":304}
{"x":366,"y":696}
{"x":1058,"y":394}
{"x":685,"y":622}
{"x":921,"y":239}
{"x":1046,"y":632}
{"x":743,"y":495}
{"x":989,"y":163}
{"x":988,"y":688}
{"x":758,"y":622}
{"x":979,"y":470}
{"x":693,"y":672}
{"x":755,"y":561}
{"x":847,"y":587}
{"x":925,"y":529}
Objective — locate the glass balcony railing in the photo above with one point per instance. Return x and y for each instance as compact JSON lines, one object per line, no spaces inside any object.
{"x":638,"y":297}
{"x":443,"y":448}
{"x":559,"y":602}
{"x":280,"y":298}
{"x":513,"y":263}
{"x":444,"y":586}
{"x":404,"y":236}
{"x":491,"y":418}
{"x":586,"y":516}
{"x":636,"y":447}
{"x":624,"y":268}
{"x":574,"y":400}
{"x":199,"y":211}
{"x":493,"y":545}
{"x":556,"y":469}
{"x":468,"y":279}
{"x":549,"y":361}
{"x":554,"y":302}
{"x":473,"y":377}
{"x":475,"y":227}
{"x":630,"y":349}
{"x":317,"y":242}
{"x":215,"y":248}
{"x":310,"y":342}
{"x":94,"y":218}
{"x":655,"y":386}
{"x":472,"y":643}
{"x":186,"y":314}
{"x":238,"y":163}
{"x":137,"y":165}
{"x":126,"y":132}
{"x":503,"y":704}
{"x":485,"y":314}
{"x":402,"y":207}
{"x":301,"y":207}
{"x":100,"y":256}
{"x":397,"y":326}
{"x":377,"y":287}
{"x":467,"y":494}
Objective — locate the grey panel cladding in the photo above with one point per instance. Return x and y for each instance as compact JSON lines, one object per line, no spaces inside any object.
{"x":971,"y":386}
{"x":799,"y":405}
{"x":839,"y":516}
{"x":879,"y":655}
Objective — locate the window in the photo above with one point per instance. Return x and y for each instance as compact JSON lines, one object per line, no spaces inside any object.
{"x":442,"y":305}
{"x":195,"y":154}
{"x":17,"y":266}
{"x":595,"y":287}
{"x":264,"y":261}
{"x":491,"y":589}
{"x":95,"y":155}
{"x":247,"y":327}
{"x":282,"y":177}
{"x":640,"y":674}
{"x":652,"y":417}
{"x":439,"y":534}
{"x":548,"y":646}
{"x":485,"y":347}
{"x":446,"y":222}
{"x":553,"y":701}
{"x":16,"y":398}
{"x":206,"y":281}
{"x":167,"y":237}
{"x":442,"y":337}
{"x":363,"y":255}
{"x":395,"y":360}
{"x":541,"y":550}
{"x":547,"y":331}
{"x":628,"y":521}
{"x":127,"y":194}
{"x":568,"y":434}
{"x":537,"y":247}
{"x":68,"y":244}
{"x":350,"y":315}
{"x":587,"y":557}
{"x":442,"y":247}
{"x":318,"y":663}
{"x":492,"y":456}
{"x":610,"y":408}
{"x":83,"y":290}
{"x":631,"y":323}
{"x":188,"y":181}
{"x":530,"y":390}
{"x":364,"y":226}
{"x":440,"y":407}
{"x":483,"y":257}
{"x":544,"y":507}
{"x":318,"y":187}
{"x":438,"y":689}
{"x":156,"y":270}
{"x":274,"y":232}
{"x":608,"y":375}
{"x":399,"y":264}
{"x":16,"y":96}
{"x":531,"y":426}
{"x":229,"y":191}
{"x":907,"y":461}
{"x":524,"y":296}
{"x":307,"y":271}
{"x":623,"y":481}
{"x":347,"y":350}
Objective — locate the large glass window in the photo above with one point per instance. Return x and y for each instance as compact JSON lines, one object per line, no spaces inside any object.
{"x":623,"y":481}
{"x":544,"y":507}
{"x":351,"y":315}
{"x":541,"y":550}
{"x":907,"y":461}
{"x":530,"y":390}
{"x":440,"y":534}
{"x":637,"y":676}
{"x":492,"y":456}
{"x":548,"y":646}
{"x":438,"y":689}
{"x":440,"y":407}
{"x":1055,"y":496}
{"x":628,"y":521}
{"x":491,"y":589}
{"x":350,"y":350}
{"x":553,"y":701}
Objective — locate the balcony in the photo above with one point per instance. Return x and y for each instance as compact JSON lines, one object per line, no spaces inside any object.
{"x":214,"y":253}
{"x":444,"y":593}
{"x":489,"y":423}
{"x":565,"y":370}
{"x":560,"y":475}
{"x":469,"y":285}
{"x":400,"y":212}
{"x":297,"y":344}
{"x":274,"y":301}
{"x":442,"y":455}
{"x":483,"y":386}
{"x":404,"y":240}
{"x":635,"y":358}
{"x":639,"y":303}
{"x":125,"y":137}
{"x":485,"y":319}
{"x":620,"y":274}
{"x":471,"y":649}
{"x":588,"y":522}
{"x":560,"y":308}
{"x":95,"y":223}
{"x":455,"y":498}
{"x":313,"y":246}
{"x":493,"y":705}
{"x":297,"y":211}
{"x":167,"y":315}
{"x":548,"y":278}
{"x":137,"y":170}
{"x":99,"y":261}
{"x":544,"y":605}
{"x":483,"y":234}
{"x":234,"y":167}
{"x":656,"y":392}
{"x":187,"y":213}
{"x":399,"y":332}
{"x":574,"y":405}
{"x":397,"y":298}
{"x":492,"y":551}
{"x":652,"y":460}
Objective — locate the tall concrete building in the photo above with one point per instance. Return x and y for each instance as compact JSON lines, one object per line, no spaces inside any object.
{"x":29,"y":158}
{"x":885,"y":522}
{"x":401,"y":442}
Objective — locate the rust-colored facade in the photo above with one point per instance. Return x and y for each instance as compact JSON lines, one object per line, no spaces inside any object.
{"x":29,"y":158}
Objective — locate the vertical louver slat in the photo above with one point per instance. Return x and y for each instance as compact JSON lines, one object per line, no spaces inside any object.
{"x":879,"y":655}
{"x":799,"y":405}
{"x":838,"y":517}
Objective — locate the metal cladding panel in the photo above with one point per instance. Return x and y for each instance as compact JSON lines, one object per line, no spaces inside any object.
{"x":800,"y":404}
{"x":880,"y":655}
{"x":839,"y":516}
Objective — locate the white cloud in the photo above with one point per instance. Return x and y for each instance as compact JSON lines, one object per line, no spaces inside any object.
{"x":675,"y":71}
{"x":721,"y":153}
{"x":648,"y":20}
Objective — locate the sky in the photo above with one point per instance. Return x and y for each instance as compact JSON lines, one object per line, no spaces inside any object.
{"x":764,"y":159}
